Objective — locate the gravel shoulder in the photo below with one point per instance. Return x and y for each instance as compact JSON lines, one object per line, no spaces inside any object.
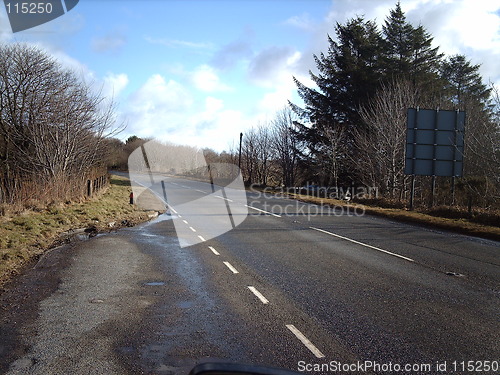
{"x":70,"y":309}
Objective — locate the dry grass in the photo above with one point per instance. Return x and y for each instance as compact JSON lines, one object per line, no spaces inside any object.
{"x":26,"y":233}
{"x":463,"y":226}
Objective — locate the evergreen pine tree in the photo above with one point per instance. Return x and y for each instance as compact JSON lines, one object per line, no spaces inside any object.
{"x":397,"y":43}
{"x":349,"y":75}
{"x":408,"y":52}
{"x":463,"y":80}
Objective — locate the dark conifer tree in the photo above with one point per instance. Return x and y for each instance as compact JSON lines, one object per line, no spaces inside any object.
{"x":463,"y":81}
{"x":349,"y":74}
{"x":408,"y":53}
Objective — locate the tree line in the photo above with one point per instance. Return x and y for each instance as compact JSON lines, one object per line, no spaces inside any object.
{"x":351,"y":128}
{"x":52,"y":128}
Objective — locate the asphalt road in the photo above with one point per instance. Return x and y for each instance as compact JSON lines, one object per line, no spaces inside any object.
{"x":293,"y":285}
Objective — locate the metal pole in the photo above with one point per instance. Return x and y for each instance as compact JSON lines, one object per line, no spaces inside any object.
{"x":412,"y":192}
{"x":433,"y":191}
{"x":239,"y":158}
{"x":452,"y":190}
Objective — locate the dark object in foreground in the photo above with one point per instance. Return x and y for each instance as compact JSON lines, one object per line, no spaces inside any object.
{"x":214,"y":368}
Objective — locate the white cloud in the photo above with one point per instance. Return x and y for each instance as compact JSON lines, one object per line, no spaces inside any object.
{"x":465,"y":27}
{"x":213,"y":129}
{"x":302,"y":22}
{"x":166,"y":110}
{"x":274,"y":69}
{"x":213,"y":105}
{"x":205,"y":78}
{"x":157,"y":95}
{"x":156,"y":107}
{"x":114,"y":84}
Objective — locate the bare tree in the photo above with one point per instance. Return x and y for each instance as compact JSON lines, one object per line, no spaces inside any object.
{"x":284,"y":144}
{"x":51,"y":123}
{"x":482,"y":148}
{"x":249,"y":156}
{"x":264,"y":152}
{"x":380,"y":161}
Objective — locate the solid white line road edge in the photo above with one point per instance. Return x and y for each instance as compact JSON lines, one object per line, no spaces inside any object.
{"x":363,"y":244}
{"x":258,"y":209}
{"x":309,"y":345}
{"x":228,"y":265}
{"x":259,"y":295}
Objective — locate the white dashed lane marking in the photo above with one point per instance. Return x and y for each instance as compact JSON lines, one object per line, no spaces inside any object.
{"x":213,"y":250}
{"x":308,"y":344}
{"x":259,"y":295}
{"x":228,"y":265}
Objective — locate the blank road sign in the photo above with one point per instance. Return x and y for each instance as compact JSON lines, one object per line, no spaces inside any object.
{"x":434,"y":142}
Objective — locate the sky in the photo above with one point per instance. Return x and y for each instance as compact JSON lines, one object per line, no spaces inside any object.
{"x":199,"y":72}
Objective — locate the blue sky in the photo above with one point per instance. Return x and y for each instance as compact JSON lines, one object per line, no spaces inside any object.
{"x":200,"y":72}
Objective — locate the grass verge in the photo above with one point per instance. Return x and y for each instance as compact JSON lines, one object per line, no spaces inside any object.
{"x":462,"y":226}
{"x":27,"y":235}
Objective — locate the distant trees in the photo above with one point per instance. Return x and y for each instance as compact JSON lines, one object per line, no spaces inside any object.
{"x":52,"y":125}
{"x":269,"y":151}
